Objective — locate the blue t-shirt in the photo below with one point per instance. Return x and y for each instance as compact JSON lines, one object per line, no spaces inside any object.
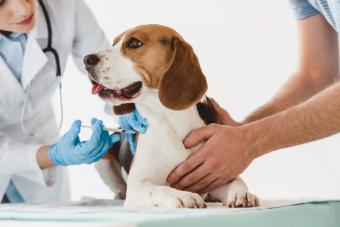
{"x":330,"y":9}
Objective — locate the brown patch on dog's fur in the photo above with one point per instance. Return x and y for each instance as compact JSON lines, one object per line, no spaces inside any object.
{"x":152,"y":59}
{"x":112,"y":151}
{"x":121,"y":152}
{"x":124,"y":108}
{"x":207,"y":111}
{"x":124,"y":155}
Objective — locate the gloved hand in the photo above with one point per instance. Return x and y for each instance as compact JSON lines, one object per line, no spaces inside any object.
{"x":133,"y":121}
{"x":69,"y":150}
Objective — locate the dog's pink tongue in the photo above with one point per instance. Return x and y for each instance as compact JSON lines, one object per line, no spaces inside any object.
{"x":97,"y":88}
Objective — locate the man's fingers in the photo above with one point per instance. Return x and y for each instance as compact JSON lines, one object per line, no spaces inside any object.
{"x":213,"y":184}
{"x":199,"y":135}
{"x":201,"y":184}
{"x":195,"y":159}
{"x":193,"y":177}
{"x":223,"y":115}
{"x":185,"y":167}
{"x":217,"y":106}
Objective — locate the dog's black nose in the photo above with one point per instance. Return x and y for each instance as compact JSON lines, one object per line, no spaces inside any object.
{"x":91,"y":60}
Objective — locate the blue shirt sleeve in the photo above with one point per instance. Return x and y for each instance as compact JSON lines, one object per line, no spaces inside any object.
{"x":302,"y":9}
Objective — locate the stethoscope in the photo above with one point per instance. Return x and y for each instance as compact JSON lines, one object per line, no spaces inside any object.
{"x":53,"y":51}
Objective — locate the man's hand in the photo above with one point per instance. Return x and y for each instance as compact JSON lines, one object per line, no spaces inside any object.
{"x":292,"y":117}
{"x":226,"y":153}
{"x":224,"y":117}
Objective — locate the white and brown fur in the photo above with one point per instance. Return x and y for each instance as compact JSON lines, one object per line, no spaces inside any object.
{"x":173,"y":100}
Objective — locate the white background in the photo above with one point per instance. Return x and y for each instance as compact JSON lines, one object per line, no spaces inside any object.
{"x":247,"y":50}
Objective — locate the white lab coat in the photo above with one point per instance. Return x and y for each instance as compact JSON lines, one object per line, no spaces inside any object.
{"x":76,"y":32}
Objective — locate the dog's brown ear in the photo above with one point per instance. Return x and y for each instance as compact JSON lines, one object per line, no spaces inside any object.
{"x":183,"y":84}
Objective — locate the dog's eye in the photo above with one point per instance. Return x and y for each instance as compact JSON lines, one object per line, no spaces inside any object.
{"x":134,"y":43}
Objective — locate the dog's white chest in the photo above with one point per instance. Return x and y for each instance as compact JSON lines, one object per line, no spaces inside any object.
{"x":162,"y":120}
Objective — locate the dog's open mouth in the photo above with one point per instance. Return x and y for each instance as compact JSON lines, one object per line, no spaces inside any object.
{"x":128,"y":92}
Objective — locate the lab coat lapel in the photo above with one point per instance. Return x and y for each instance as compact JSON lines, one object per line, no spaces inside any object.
{"x":34,"y":58}
{"x":9,"y":83}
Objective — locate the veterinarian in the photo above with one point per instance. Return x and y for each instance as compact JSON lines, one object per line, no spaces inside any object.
{"x":305,"y":109}
{"x":36,"y":38}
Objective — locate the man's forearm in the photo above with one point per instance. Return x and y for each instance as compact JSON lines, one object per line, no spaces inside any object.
{"x":298,"y":89}
{"x":314,"y":119}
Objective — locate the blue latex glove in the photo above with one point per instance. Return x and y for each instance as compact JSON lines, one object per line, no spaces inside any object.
{"x":71,"y":151}
{"x":133,"y":121}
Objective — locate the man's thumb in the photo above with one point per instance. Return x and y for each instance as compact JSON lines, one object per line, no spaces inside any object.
{"x":198,"y":135}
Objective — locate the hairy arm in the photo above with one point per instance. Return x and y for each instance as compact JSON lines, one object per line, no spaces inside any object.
{"x":229,"y":150}
{"x":318,"y":68}
{"x":303,"y":110}
{"x":314,"y":119}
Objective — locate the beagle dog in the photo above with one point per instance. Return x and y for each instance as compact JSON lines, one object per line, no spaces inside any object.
{"x":153,"y":68}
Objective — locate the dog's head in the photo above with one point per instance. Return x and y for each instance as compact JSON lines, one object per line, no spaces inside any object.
{"x":143,"y":58}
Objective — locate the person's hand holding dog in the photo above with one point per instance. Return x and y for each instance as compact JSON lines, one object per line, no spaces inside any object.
{"x":225,"y":154}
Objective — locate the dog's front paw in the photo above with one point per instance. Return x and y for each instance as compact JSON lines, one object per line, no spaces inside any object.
{"x":242,"y":199}
{"x":183,"y":199}
{"x":165,"y":197}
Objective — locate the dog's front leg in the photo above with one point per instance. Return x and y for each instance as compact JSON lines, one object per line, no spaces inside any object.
{"x":159,"y":151}
{"x":153,"y":195}
{"x":235,"y":194}
{"x":111,"y":173}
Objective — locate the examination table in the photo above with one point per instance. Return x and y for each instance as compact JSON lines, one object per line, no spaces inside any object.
{"x":109,"y":213}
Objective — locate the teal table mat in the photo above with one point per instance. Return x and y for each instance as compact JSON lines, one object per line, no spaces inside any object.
{"x":305,"y":214}
{"x":326,"y":214}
